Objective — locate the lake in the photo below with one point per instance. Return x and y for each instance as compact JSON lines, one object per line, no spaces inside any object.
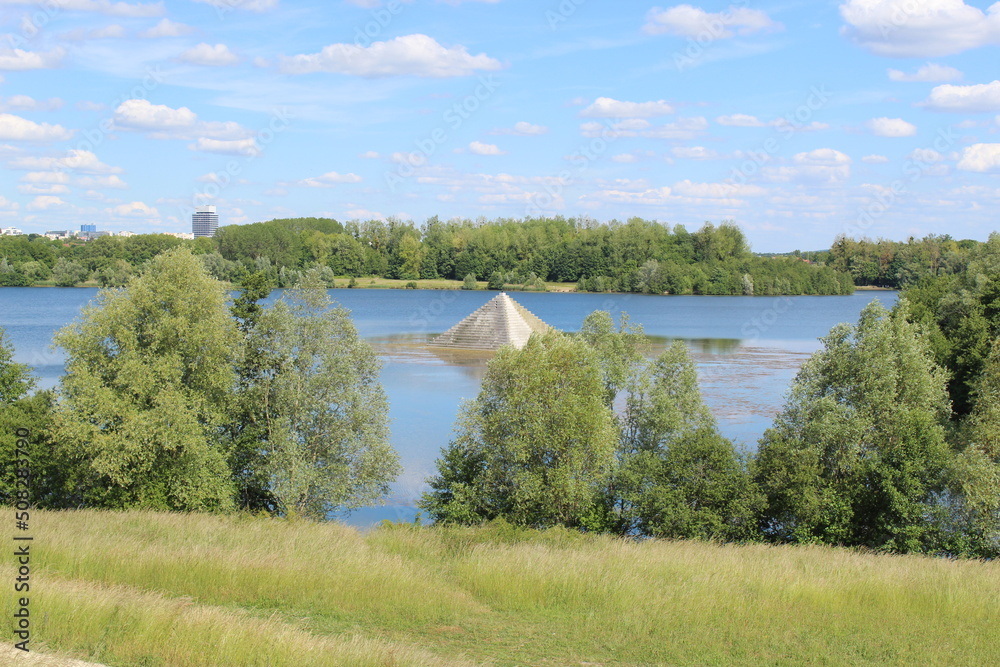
{"x":748,"y":350}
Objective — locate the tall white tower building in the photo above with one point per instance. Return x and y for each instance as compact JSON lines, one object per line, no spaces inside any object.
{"x":204,"y":221}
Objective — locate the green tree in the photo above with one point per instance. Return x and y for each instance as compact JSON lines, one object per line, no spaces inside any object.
{"x":495,"y":282}
{"x":247,"y":448}
{"x":618,"y":351}
{"x":677,"y":476}
{"x":470,"y":282}
{"x":68,"y":273}
{"x":149,"y":373}
{"x":537,"y":444}
{"x":326,"y":415}
{"x":15,"y":379}
{"x":858,"y":455}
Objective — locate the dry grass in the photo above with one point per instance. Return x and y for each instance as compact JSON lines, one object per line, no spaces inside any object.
{"x":140,"y":588}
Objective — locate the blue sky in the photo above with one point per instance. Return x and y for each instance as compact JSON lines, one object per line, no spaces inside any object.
{"x":798,"y":120}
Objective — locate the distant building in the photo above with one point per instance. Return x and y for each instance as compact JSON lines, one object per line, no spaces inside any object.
{"x":204,"y":221}
{"x":10,"y":231}
{"x":124,"y":233}
{"x":87,"y":236}
{"x":58,"y":235}
{"x":181,"y":235}
{"x":88,"y":228}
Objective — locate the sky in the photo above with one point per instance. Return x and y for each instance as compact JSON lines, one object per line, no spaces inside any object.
{"x":799,"y":121}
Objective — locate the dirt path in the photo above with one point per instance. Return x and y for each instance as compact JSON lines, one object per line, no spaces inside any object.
{"x":11,"y":656}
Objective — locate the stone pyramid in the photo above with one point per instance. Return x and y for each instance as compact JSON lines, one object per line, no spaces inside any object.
{"x":500,"y":321}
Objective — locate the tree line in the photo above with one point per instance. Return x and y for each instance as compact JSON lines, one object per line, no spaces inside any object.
{"x":173,"y":400}
{"x":635,"y":256}
{"x":889,"y":438}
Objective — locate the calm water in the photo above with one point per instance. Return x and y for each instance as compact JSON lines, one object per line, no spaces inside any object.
{"x":748,"y":350}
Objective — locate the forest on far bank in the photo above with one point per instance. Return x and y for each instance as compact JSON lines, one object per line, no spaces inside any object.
{"x":639,"y":256}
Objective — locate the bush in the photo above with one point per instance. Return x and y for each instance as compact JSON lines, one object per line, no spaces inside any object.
{"x":470,"y":282}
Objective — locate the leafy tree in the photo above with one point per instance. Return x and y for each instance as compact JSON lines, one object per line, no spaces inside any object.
{"x":618,"y":352}
{"x":325,"y":413}
{"x":15,"y":379}
{"x":246,"y":448}
{"x":148,"y":378}
{"x":470,"y":282}
{"x":858,"y":455}
{"x":535,"y":447}
{"x":67,"y":273}
{"x":677,"y":476}
{"x":496,"y":281}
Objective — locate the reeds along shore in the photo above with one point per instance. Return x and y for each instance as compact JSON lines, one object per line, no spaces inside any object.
{"x":177,"y":589}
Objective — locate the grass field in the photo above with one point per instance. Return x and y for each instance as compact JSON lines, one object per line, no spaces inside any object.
{"x":170,"y":589}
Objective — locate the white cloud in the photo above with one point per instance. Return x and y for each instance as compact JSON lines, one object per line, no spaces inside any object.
{"x":163,"y":122}
{"x":523,"y":129}
{"x":409,"y":55}
{"x":212,"y":56}
{"x":694,"y":22}
{"x":107,"y":32}
{"x":45,"y":177}
{"x":15,"y":128}
{"x":875,"y":159}
{"x":785,"y":125}
{"x":650,"y":196}
{"x":685,"y":129}
{"x":624,"y":158}
{"x":694,"y":153}
{"x":100,"y":182}
{"x":891,"y":127}
{"x":247,"y":147}
{"x":139,"y":114}
{"x":247,"y":5}
{"x":74,"y":160}
{"x":929,"y":73}
{"x":107,"y":7}
{"x":739,"y":120}
{"x":329,"y":180}
{"x":167,"y":28}
{"x":606,"y":107}
{"x":18,"y":60}
{"x":370,"y":155}
{"x":980,"y":97}
{"x":25,"y":103}
{"x":919,"y":28}
{"x":980,"y":157}
{"x":686,"y":188}
{"x":44,"y":203}
{"x":480,"y":148}
{"x":32,"y":189}
{"x":136,"y":209}
{"x":820,"y":166}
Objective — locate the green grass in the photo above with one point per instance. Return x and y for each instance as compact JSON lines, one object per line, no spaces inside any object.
{"x":170,"y":589}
